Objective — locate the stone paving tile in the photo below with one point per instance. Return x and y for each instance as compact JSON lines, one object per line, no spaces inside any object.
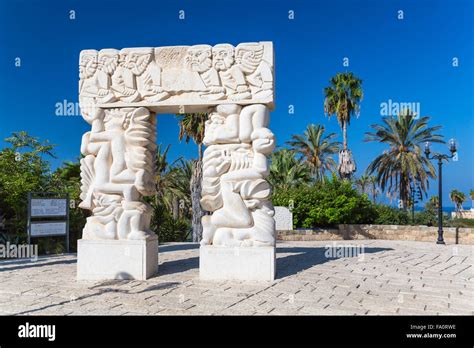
{"x":392,"y":278}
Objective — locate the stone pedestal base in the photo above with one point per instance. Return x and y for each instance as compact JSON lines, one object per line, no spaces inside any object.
{"x":117,"y":259}
{"x":239,"y":263}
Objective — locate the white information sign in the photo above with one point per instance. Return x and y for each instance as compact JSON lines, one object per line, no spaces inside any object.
{"x":40,"y":229}
{"x":48,"y":207}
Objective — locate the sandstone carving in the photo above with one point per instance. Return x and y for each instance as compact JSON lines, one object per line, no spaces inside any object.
{"x":199,"y":60}
{"x":119,"y":94}
{"x":234,"y":170}
{"x":176,"y":75}
{"x":138,"y":77}
{"x":116,"y":172}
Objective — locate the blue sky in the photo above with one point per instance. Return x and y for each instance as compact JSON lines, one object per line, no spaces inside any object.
{"x":407,"y":60}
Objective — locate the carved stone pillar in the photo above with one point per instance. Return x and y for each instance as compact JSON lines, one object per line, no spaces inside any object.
{"x":239,"y":235}
{"x":116,"y":172}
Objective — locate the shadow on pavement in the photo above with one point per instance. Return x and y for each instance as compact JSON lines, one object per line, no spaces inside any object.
{"x":178,"y":266}
{"x":163,"y":248}
{"x":30,"y":264}
{"x":304,"y":258}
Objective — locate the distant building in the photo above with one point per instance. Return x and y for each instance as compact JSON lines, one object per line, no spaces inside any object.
{"x":463,"y":214}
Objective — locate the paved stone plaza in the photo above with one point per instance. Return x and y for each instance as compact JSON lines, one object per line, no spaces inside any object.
{"x":391,"y":278}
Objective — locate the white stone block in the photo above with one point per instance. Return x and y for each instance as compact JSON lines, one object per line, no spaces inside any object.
{"x":117,"y":259}
{"x":237,"y":263}
{"x":283,"y":219}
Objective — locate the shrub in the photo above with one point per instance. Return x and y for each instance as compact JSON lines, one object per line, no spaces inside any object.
{"x":460,"y":223}
{"x":427,"y":217}
{"x":327,"y":203}
{"x":167,"y":228}
{"x":387,"y":215}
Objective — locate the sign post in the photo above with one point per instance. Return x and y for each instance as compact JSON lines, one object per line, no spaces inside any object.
{"x":48,"y":215}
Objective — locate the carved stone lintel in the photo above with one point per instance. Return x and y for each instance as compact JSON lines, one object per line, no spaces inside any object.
{"x":170,"y":77}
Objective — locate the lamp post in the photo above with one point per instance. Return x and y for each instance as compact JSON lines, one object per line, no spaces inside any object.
{"x":440,"y":157}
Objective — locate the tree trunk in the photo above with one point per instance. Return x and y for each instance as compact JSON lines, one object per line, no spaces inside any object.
{"x":403,"y":192}
{"x":344,"y":135}
{"x":198,"y":212}
{"x":175,"y":208}
{"x":346,"y":163}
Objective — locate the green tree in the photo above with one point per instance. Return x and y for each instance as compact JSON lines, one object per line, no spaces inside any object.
{"x":458,"y":198}
{"x":316,"y":149}
{"x":342,"y":99}
{"x":192,"y":126}
{"x":164,"y":186}
{"x":171,"y":181}
{"x":182,"y":174}
{"x":368,"y":184}
{"x":67,"y":179}
{"x":69,"y":171}
{"x":171,"y":204}
{"x":286,"y":171}
{"x":432,"y":203}
{"x":429,"y":215}
{"x":23,"y":168}
{"x":403,"y":163}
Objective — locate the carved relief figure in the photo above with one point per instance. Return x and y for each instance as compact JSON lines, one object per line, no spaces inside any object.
{"x":116,"y":171}
{"x":258,"y":73}
{"x":199,"y":60}
{"x":108,"y":62}
{"x":152,"y":75}
{"x":88,"y":61}
{"x":139,"y":77}
{"x":96,"y":70}
{"x":234,"y":171}
{"x":230,"y":75}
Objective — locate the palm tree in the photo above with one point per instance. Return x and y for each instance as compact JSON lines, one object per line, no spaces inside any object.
{"x":362,"y":183}
{"x":342,"y":99}
{"x":286,"y":171}
{"x":471,"y":194}
{"x":171,"y":182}
{"x":458,"y":198}
{"x":192,"y":126}
{"x":163,"y":179}
{"x":69,"y":171}
{"x":182,"y":173}
{"x":403,"y":163}
{"x":374,"y":190}
{"x":367,"y":184}
{"x":316,"y":149}
{"x":432,"y":203}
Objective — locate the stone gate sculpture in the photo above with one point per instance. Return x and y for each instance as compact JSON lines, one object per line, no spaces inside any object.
{"x":120,"y":92}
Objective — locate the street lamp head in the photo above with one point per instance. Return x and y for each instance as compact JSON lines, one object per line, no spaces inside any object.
{"x":427,"y":148}
{"x":452,"y":145}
